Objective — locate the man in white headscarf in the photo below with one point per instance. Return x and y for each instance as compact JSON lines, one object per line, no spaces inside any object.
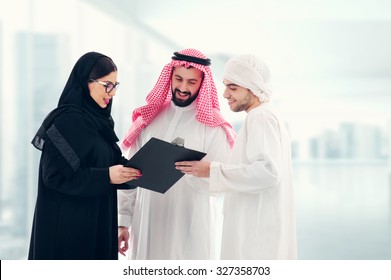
{"x":259,"y":215}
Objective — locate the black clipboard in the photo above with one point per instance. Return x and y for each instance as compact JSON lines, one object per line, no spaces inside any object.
{"x":156,"y":161}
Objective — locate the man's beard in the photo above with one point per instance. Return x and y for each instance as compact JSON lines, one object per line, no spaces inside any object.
{"x":183,"y":103}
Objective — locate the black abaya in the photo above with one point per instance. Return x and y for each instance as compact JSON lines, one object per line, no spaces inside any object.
{"x":76,"y":209}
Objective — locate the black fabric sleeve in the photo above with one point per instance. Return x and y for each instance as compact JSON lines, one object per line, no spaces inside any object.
{"x":123,"y":160}
{"x":66,"y":167}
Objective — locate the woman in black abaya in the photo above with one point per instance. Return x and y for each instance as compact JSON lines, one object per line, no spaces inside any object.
{"x":80,"y":168}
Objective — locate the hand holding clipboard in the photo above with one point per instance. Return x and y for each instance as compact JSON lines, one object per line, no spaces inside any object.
{"x":156,"y":161}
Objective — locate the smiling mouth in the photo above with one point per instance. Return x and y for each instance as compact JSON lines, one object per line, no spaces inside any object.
{"x":182,"y":94}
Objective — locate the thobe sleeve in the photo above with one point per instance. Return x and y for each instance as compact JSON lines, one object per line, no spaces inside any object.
{"x":259,"y":168}
{"x":63,"y":158}
{"x":217,"y":148}
{"x":127,"y":198}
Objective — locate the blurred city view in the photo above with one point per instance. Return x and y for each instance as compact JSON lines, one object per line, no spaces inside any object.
{"x":331,"y":72}
{"x":349,"y":141}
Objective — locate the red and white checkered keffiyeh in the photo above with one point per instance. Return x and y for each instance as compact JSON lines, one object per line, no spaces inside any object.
{"x":208,"y":111}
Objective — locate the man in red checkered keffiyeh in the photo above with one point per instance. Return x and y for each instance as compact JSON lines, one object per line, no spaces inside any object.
{"x":183,"y":104}
{"x":208,"y":111}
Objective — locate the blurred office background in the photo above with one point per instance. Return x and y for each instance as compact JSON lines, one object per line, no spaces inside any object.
{"x":331,"y":74}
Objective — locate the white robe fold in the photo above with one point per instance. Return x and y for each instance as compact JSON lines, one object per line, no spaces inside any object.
{"x":259,"y":216}
{"x":177,"y":224}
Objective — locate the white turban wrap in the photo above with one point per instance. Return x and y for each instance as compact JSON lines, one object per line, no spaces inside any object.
{"x":250,"y":72}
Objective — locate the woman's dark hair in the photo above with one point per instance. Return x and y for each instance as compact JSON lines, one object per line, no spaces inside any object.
{"x":102,"y":67}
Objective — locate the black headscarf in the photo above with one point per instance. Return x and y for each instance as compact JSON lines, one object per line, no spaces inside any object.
{"x":76,"y":96}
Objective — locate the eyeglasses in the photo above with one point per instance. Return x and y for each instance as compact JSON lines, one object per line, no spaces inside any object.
{"x":109,"y":86}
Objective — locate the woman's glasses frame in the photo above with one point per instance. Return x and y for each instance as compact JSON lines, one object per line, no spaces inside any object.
{"x":109,"y":86}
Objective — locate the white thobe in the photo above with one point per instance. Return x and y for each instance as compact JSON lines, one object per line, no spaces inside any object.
{"x":259,"y":216}
{"x":177,"y":224}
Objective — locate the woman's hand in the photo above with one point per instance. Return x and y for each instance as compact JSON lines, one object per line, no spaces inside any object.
{"x":196,"y":168}
{"x":120,"y":174}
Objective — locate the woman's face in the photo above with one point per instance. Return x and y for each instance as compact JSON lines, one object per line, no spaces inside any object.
{"x":98,"y":89}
